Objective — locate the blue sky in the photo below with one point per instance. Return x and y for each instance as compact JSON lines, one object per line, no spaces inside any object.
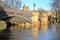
{"x":44,"y":4}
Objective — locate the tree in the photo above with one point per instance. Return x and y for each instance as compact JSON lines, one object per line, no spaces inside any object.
{"x":55,"y":4}
{"x":17,"y":4}
{"x":13,"y":3}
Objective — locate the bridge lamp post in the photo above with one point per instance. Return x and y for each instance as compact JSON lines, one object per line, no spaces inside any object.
{"x":34,"y":6}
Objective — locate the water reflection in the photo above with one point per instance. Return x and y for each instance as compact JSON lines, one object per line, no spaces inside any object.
{"x":34,"y":32}
{"x":44,"y":27}
{"x":17,"y":33}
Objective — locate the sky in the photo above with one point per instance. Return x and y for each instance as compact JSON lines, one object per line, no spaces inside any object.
{"x":40,"y":4}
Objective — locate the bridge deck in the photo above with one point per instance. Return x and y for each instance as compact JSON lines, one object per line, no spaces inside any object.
{"x":13,"y":12}
{"x":8,"y":10}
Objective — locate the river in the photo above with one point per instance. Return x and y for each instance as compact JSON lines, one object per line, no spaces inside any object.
{"x":16,"y":33}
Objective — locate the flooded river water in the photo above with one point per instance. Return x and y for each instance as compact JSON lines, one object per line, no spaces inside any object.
{"x":16,"y":33}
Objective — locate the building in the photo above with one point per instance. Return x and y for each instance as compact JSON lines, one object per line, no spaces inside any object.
{"x":25,"y":8}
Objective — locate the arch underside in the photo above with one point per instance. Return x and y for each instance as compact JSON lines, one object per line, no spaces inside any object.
{"x":16,"y":18}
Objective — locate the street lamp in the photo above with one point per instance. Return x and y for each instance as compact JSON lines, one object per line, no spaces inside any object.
{"x":34,"y":6}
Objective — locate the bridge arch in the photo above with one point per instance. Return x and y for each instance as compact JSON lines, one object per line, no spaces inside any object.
{"x":15,"y":15}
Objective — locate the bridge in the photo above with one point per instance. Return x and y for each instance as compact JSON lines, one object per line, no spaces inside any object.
{"x":10,"y":14}
{"x":18,"y":16}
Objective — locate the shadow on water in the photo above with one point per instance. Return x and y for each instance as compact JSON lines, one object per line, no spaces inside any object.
{"x":4,"y":34}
